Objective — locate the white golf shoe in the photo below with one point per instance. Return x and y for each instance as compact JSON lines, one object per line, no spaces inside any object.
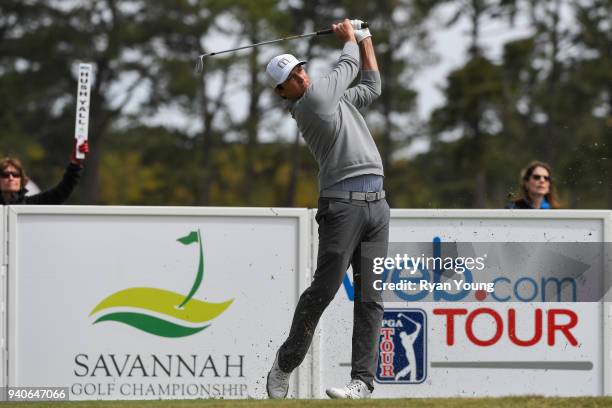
{"x":277,"y":384}
{"x":355,"y":389}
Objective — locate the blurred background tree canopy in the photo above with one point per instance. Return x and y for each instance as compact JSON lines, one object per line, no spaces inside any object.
{"x":162,"y":135}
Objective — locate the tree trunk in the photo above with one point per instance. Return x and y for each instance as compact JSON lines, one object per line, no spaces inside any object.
{"x":252,"y":120}
{"x":477,"y":10}
{"x":608,"y":172}
{"x":608,"y":142}
{"x":479,"y":151}
{"x":551,"y":85}
{"x":204,"y":148}
{"x":480,"y":188}
{"x":97,"y":130}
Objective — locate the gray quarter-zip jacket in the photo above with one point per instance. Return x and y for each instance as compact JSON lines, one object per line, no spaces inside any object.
{"x":329,"y":120}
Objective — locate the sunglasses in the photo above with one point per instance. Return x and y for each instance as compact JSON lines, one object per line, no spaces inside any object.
{"x":7,"y":174}
{"x":538,"y":177}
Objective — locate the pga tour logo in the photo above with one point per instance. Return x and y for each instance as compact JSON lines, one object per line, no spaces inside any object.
{"x":402,"y":347}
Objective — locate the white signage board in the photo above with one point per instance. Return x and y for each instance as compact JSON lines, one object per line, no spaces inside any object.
{"x":445,"y":349}
{"x":153,"y":303}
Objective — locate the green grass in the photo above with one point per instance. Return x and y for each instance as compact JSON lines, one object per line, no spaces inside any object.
{"x":508,"y":402}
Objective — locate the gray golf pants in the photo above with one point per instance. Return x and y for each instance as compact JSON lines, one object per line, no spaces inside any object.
{"x":343,"y":226}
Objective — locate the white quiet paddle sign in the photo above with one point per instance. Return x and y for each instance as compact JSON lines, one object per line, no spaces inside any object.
{"x":81,"y":127}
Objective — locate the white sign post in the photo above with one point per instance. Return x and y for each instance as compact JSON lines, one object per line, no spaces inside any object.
{"x":81,"y":127}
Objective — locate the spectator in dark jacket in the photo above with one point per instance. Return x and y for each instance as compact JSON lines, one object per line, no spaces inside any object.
{"x":537,"y":188}
{"x":13,"y":180}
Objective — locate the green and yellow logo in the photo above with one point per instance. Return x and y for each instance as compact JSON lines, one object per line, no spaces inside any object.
{"x":162,"y":312}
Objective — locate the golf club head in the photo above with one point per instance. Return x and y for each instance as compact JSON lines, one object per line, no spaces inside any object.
{"x":199,"y":67}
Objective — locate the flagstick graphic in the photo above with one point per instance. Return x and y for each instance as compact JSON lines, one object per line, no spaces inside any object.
{"x":193,"y":237}
{"x":168,"y":319}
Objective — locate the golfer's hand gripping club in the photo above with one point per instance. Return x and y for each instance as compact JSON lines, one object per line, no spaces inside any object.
{"x":361,"y":30}
{"x":362,"y":25}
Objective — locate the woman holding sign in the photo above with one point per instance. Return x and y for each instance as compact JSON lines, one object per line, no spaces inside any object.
{"x":13,"y":180}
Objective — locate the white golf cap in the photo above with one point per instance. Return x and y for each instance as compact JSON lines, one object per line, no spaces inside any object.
{"x":280,"y":67}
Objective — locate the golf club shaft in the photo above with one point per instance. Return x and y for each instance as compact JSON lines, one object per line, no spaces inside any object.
{"x":293,"y":37}
{"x":406,"y":317}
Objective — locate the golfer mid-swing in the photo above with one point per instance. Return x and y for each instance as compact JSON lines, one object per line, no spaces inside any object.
{"x":352,"y":206}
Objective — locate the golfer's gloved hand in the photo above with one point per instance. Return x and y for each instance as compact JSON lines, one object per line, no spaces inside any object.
{"x":84,"y":148}
{"x":360,"y":33}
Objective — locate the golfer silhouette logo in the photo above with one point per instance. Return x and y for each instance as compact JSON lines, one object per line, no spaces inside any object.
{"x":408,"y":344}
{"x":402,"y":347}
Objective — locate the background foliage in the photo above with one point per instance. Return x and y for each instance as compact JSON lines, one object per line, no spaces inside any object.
{"x":161,"y":135}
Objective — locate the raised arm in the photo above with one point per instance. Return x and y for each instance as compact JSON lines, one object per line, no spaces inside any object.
{"x":369,"y":88}
{"x":61,"y":192}
{"x":327,"y":91}
{"x":368,"y":56}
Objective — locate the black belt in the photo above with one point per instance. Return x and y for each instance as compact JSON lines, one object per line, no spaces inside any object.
{"x":354,"y":195}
